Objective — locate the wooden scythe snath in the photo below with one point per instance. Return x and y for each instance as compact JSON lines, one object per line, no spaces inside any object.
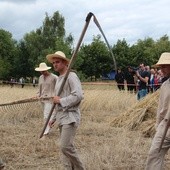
{"x":164,"y":134}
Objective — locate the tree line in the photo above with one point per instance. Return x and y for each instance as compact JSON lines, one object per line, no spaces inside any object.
{"x":19,"y":58}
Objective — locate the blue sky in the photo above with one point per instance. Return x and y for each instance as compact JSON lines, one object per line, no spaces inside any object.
{"x":129,"y":19}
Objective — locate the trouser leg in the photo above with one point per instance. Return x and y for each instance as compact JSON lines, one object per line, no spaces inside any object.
{"x":47,"y":108}
{"x":155,"y":160}
{"x":70,"y":157}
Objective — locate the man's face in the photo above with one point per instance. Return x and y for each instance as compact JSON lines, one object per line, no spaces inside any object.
{"x":44,"y":73}
{"x":165,"y":68}
{"x":58,"y":64}
{"x":142,"y":66}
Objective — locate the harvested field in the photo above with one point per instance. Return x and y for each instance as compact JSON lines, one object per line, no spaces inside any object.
{"x":104,"y":143}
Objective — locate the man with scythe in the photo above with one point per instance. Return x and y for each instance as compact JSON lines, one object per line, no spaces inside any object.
{"x":67,"y":110}
{"x":161,"y":141}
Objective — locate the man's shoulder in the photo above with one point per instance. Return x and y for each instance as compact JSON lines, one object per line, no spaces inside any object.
{"x":41,"y":77}
{"x":72,"y":76}
{"x":166,"y":82}
{"x":54,"y":76}
{"x":72,"y":73}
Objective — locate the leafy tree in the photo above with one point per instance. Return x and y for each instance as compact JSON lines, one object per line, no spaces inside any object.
{"x":161,"y":45}
{"x":8,"y":51}
{"x":121,"y":52}
{"x":96,"y":58}
{"x":22,"y":65}
{"x":49,"y":38}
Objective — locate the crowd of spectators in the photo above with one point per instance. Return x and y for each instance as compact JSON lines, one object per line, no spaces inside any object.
{"x":141,"y":79}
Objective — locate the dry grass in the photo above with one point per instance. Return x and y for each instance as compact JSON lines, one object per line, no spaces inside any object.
{"x":141,"y":116}
{"x":101,"y":146}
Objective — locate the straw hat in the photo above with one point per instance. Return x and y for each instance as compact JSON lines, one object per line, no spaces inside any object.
{"x":58,"y":54}
{"x":42,"y":67}
{"x":164,"y":59}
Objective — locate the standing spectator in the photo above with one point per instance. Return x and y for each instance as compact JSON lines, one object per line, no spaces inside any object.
{"x":152,"y":81}
{"x":34,"y":81}
{"x":155,"y":160}
{"x":147,"y":68}
{"x":46,"y":84}
{"x":67,"y":110}
{"x":119,"y":77}
{"x":130,"y":79}
{"x":158,"y":79}
{"x":12,"y":81}
{"x":22,"y":82}
{"x":143,"y":77}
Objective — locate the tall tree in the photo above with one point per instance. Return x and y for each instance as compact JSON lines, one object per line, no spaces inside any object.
{"x":22,"y":65}
{"x":96,"y":58}
{"x":8,"y":51}
{"x":161,"y":45}
{"x":121,"y":53}
{"x":49,"y":38}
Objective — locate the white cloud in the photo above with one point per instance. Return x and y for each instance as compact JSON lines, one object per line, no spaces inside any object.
{"x":129,"y":19}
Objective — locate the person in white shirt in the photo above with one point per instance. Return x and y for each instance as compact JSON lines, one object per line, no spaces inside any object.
{"x":46,"y":84}
{"x":67,"y":110}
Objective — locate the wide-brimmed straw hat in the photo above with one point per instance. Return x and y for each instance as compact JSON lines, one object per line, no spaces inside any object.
{"x":42,"y":67}
{"x":164,"y":59}
{"x":58,"y":54}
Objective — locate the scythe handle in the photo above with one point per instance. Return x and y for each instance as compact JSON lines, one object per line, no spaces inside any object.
{"x":164,"y":134}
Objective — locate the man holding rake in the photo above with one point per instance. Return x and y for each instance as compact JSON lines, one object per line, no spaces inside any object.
{"x":46,"y":84}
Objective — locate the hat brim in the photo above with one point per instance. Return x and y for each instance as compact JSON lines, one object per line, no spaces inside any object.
{"x":50,"y":57}
{"x":42,"y":69}
{"x":158,"y":64}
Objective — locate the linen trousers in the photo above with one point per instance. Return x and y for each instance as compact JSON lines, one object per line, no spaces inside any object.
{"x":46,"y":110}
{"x":155,"y":160}
{"x":70,"y":158}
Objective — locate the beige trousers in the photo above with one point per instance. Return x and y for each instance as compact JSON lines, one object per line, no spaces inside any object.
{"x":70,"y":157}
{"x":46,"y":110}
{"x":155,"y":160}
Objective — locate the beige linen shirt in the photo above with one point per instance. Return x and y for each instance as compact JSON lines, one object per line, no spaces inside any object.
{"x":47,"y":85}
{"x":163,"y":111}
{"x":68,"y":110}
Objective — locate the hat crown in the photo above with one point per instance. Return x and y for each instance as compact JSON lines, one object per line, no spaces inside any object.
{"x":60,"y":53}
{"x":164,"y":58}
{"x":42,"y":65}
{"x":57,"y":54}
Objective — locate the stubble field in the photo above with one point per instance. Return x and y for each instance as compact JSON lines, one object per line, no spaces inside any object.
{"x":100,"y":145}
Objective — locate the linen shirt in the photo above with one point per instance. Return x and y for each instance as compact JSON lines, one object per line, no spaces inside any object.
{"x":47,"y":85}
{"x":163,"y":111}
{"x":68,"y":110}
